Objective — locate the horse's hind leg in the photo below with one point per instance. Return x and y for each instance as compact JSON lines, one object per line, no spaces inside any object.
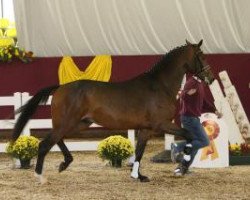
{"x":68,"y":158}
{"x":44,"y":147}
{"x":142,"y":139}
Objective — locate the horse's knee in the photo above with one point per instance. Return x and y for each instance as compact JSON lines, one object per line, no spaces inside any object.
{"x":42,"y":148}
{"x":45,"y":145}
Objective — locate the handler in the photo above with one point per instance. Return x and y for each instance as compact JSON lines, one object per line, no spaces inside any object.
{"x":193,"y":101}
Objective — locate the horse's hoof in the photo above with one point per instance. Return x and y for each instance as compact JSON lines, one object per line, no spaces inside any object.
{"x":62,"y":167}
{"x":134,"y":175}
{"x":144,"y":179}
{"x":42,"y":180}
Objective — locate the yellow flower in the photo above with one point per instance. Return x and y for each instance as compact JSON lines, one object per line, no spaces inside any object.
{"x":115,"y":147}
{"x":25,"y":147}
{"x":11,"y":32}
{"x":4,"y":23}
{"x":4,"y":42}
{"x":235,"y":149}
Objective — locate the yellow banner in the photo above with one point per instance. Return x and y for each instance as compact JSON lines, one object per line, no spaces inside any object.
{"x":98,"y":70}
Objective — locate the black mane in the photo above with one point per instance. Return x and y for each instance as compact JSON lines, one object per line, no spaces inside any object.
{"x":166,"y":60}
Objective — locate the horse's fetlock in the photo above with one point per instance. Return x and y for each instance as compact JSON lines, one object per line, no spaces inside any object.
{"x":69,"y":159}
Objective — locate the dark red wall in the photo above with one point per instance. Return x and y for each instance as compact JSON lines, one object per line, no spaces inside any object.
{"x":42,"y":72}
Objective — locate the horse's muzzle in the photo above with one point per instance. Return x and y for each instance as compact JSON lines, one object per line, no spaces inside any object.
{"x":209,"y":81}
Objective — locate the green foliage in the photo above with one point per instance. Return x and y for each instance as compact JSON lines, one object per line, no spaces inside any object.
{"x":8,"y":53}
{"x":8,"y":44}
{"x":239,"y":149}
{"x":24,"y":148}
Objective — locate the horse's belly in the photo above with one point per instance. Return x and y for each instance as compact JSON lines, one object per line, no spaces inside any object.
{"x":121,"y":120}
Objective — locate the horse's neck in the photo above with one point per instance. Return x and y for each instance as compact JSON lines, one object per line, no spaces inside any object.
{"x":172,"y":79}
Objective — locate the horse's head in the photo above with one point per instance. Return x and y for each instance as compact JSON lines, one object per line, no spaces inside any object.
{"x":197,"y":64}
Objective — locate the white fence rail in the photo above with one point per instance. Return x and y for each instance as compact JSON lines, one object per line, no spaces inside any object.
{"x":15,"y":101}
{"x":19,"y":99}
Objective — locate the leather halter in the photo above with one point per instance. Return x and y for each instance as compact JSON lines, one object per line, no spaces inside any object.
{"x":203,"y":68}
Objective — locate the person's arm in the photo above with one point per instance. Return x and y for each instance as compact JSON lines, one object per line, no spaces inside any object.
{"x":210,"y":107}
{"x":208,"y":103}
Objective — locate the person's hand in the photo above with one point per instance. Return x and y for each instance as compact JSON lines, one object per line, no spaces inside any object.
{"x":191,"y":91}
{"x":178,"y":95}
{"x":219,"y":115}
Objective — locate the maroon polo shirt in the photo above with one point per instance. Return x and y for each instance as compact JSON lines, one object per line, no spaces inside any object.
{"x":194,"y":105}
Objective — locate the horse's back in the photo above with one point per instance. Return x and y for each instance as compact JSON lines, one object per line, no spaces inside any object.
{"x":129,"y":104}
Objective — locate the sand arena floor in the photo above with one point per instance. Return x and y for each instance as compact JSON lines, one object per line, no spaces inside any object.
{"x":89,"y":177}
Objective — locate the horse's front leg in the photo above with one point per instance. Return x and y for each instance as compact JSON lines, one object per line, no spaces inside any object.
{"x":142,"y":139}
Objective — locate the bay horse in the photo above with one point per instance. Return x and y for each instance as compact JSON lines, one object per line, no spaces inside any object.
{"x":146,"y":103}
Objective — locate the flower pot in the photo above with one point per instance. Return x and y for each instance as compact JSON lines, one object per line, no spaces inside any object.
{"x":116,"y":163}
{"x":239,"y":160}
{"x":25,"y":164}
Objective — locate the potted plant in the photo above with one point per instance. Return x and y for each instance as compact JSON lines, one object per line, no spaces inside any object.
{"x":239,"y":154}
{"x":24,"y":149}
{"x":115,"y":149}
{"x":9,"y":49}
{"x":7,"y":53}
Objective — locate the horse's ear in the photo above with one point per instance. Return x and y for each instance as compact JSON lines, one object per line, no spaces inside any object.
{"x":188,"y":43}
{"x":200,"y":43}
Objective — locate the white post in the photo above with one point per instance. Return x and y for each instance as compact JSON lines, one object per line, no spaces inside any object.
{"x":236,"y":110}
{"x":25,"y":99}
{"x":168,"y":140}
{"x":131,"y":137}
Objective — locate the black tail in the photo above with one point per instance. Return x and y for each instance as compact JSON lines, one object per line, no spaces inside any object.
{"x":29,"y":109}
